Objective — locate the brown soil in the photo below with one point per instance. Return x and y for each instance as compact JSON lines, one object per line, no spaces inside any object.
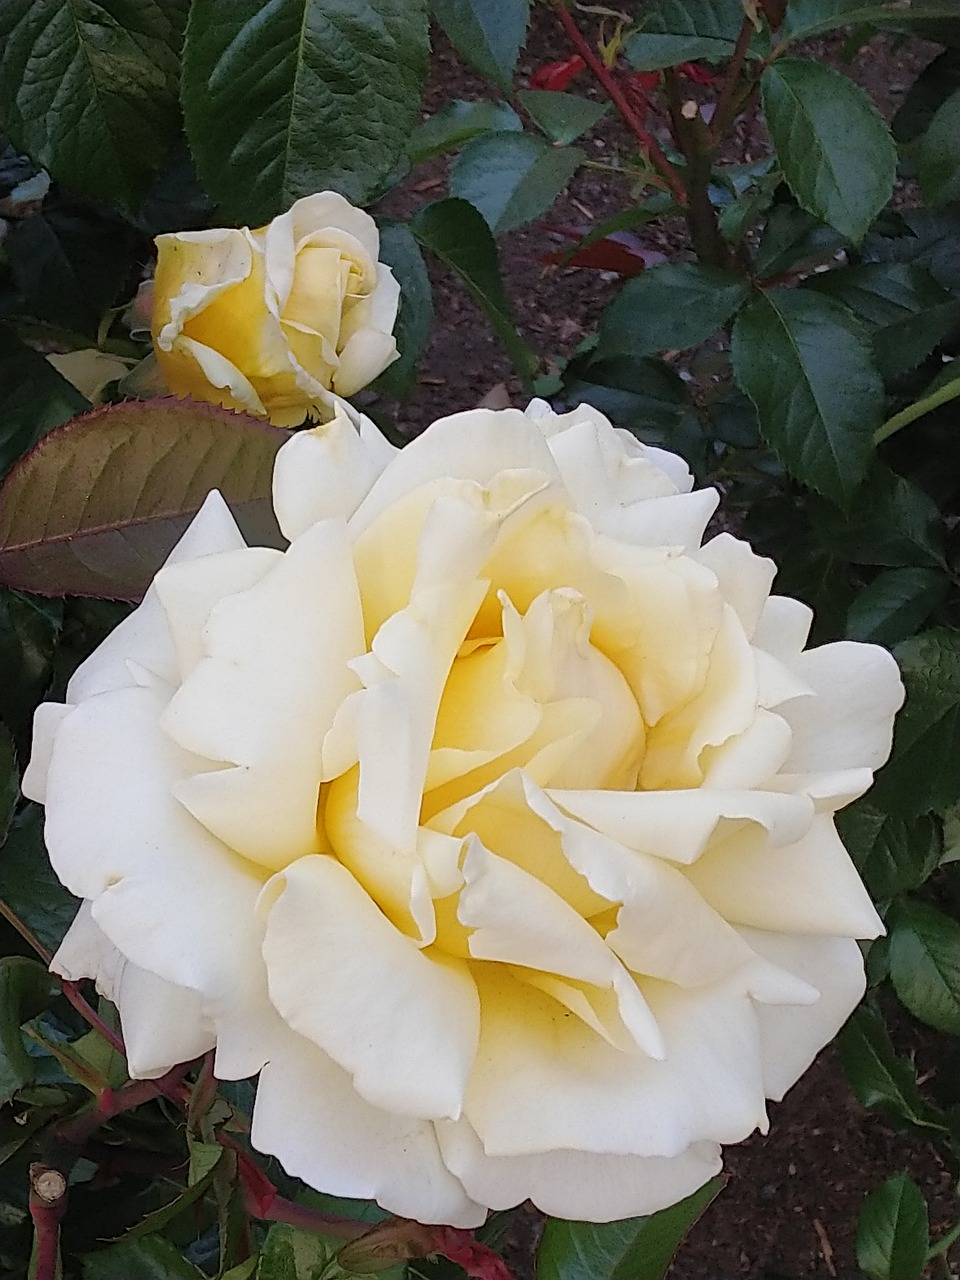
{"x":792,"y":1201}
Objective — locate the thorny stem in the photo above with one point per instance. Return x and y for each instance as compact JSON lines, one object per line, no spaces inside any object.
{"x":727,"y":107}
{"x":695,"y":143}
{"x":74,"y":1133}
{"x":26,"y":933}
{"x":616,"y":95}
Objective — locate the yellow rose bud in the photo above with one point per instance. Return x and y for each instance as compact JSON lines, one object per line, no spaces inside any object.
{"x":279,"y":321}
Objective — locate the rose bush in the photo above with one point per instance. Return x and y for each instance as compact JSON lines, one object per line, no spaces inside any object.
{"x":276,"y":321}
{"x":491,"y":822}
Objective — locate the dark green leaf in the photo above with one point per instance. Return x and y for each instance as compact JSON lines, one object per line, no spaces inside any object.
{"x":459,"y":236}
{"x":939,"y":163}
{"x":9,"y":781}
{"x":807,"y":366}
{"x":631,"y":1249}
{"x":892,"y":856}
{"x":33,"y":398}
{"x":896,"y":604}
{"x":926,"y":237}
{"x":834,"y":149}
{"x":297,"y":96}
{"x":457,"y":123}
{"x":877,"y":1074}
{"x":894,"y":523}
{"x":672,"y":31}
{"x":28,"y":638}
{"x":97,"y":506}
{"x":922,"y":773}
{"x":643,"y":395}
{"x":400,"y":251}
{"x":512,"y":178}
{"x":488,"y":33}
{"x":204,"y":1157}
{"x":807,"y":18}
{"x":927,"y":93}
{"x":90,"y":90}
{"x":794,"y":240}
{"x":925,"y":963}
{"x":152,"y":1258}
{"x":892,"y":1235}
{"x":562,"y":116}
{"x":69,"y":269}
{"x":907,"y":312}
{"x":28,"y":886}
{"x":25,"y":990}
{"x":675,"y":305}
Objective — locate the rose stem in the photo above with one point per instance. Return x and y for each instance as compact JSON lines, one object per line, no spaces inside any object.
{"x":72,"y":992}
{"x":616,"y":95}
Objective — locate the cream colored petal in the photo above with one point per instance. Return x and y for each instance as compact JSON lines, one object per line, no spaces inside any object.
{"x":189,"y":589}
{"x":791,"y":1037}
{"x":329,"y":209}
{"x":749,"y":759}
{"x":261,"y":700}
{"x":848,"y":723}
{"x":46,"y":721}
{"x":214,"y":370}
{"x":809,"y":887}
{"x":194,"y":268}
{"x":783,"y":627}
{"x":576,"y":1184}
{"x":544,"y":1081}
{"x":311,"y":1118}
{"x":402,"y":1022}
{"x":162,"y":1025}
{"x":144,"y":636}
{"x":172,"y":899}
{"x":324,"y":472}
{"x":678,"y":825}
{"x":745,"y":578}
{"x":365,"y":356}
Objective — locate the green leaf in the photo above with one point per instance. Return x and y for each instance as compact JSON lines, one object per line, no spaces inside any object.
{"x":9,"y":781}
{"x":896,"y":604}
{"x":152,"y":1258}
{"x":877,"y":1074}
{"x":894,"y":523}
{"x":929,"y":238}
{"x":29,"y":629}
{"x":631,"y":1249}
{"x":921,"y":776}
{"x":457,"y":123}
{"x":939,"y":161}
{"x":808,"y":368}
{"x":297,"y":96}
{"x":832,"y":144}
{"x":794,"y":240}
{"x":562,"y":116}
{"x":400,"y":251}
{"x":488,"y":33}
{"x":289,"y":1254}
{"x":460,"y":238}
{"x":675,"y":305}
{"x":512,"y":178}
{"x":204,"y":1158}
{"x":925,"y":963}
{"x":89,"y":89}
{"x":892,"y":856}
{"x":936,"y":82}
{"x":672,"y":31}
{"x":33,"y":398}
{"x":807,"y":18}
{"x":643,"y":395}
{"x":26,"y":989}
{"x":98,"y":505}
{"x":29,"y":890}
{"x":907,"y":312}
{"x":892,"y":1234}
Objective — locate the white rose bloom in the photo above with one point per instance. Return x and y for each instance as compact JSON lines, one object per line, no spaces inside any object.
{"x":492,"y":822}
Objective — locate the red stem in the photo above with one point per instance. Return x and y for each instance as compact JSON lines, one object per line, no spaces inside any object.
{"x":48,"y":1203}
{"x":728,"y":95}
{"x":75,"y":1132}
{"x":616,"y":95}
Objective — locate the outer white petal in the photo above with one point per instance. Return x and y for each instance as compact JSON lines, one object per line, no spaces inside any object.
{"x":848,"y":723}
{"x":467,"y":446}
{"x":162,"y":1024}
{"x":310,"y":1117}
{"x":791,"y":1037}
{"x":143,"y":636}
{"x":745,"y":578}
{"x":324,"y":472}
{"x":166,"y":893}
{"x":402,"y":1022}
{"x":363,"y":358}
{"x":262,"y":699}
{"x":544,"y":1081}
{"x":808,"y":887}
{"x":46,"y":721}
{"x":576,"y":1184}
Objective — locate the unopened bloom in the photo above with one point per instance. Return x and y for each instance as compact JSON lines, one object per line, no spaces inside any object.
{"x":277,"y":321}
{"x":492,"y":822}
